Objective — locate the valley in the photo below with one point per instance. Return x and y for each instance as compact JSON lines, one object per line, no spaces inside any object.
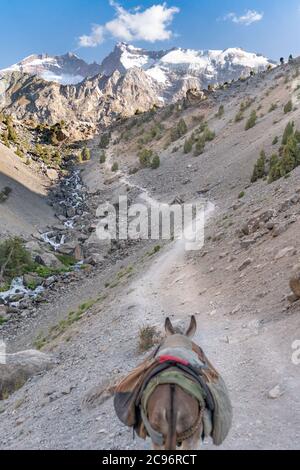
{"x":209,"y":148}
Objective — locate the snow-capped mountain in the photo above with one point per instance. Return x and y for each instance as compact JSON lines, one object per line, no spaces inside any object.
{"x":127,"y":81}
{"x":177,"y":69}
{"x":66,"y":69}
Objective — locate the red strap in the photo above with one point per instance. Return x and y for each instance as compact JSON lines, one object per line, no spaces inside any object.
{"x":178,"y":360}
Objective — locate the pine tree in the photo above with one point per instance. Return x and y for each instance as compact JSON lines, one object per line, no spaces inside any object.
{"x":289,"y":130}
{"x":259,"y":171}
{"x":155,"y":162}
{"x":251,"y":121}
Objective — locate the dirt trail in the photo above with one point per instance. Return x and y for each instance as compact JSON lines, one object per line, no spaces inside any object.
{"x":253,"y":359}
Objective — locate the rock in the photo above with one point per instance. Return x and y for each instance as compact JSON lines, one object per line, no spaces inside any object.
{"x":248,"y":242}
{"x":78,"y":253}
{"x":270,"y":225}
{"x":295,"y":284}
{"x":94,"y":259}
{"x":31,"y":280}
{"x":279,"y":230}
{"x":67,"y":248}
{"x":286,"y":205}
{"x":236,"y":310}
{"x":258,"y":222}
{"x":71,"y":212}
{"x":3,"y":312}
{"x":49,"y":260}
{"x":288,"y":251}
{"x":94,"y":245}
{"x":50,"y":281}
{"x":20,"y":367}
{"x":275,"y":393}
{"x":245,"y":264}
{"x":52,"y":174}
{"x":292,"y":298}
{"x":218,"y":237}
{"x":34,"y":248}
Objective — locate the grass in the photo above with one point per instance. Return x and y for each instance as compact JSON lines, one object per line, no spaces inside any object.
{"x":155,"y":250}
{"x":2,"y":320}
{"x":59,"y":329}
{"x":67,"y":260}
{"x":148,"y":337}
{"x":241,"y":195}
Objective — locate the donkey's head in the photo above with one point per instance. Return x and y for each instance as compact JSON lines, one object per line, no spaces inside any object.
{"x":190,"y":332}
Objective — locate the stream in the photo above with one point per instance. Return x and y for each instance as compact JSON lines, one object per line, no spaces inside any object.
{"x":70,"y":197}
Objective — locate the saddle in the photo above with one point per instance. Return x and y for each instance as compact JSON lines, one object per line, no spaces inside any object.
{"x":192,"y":371}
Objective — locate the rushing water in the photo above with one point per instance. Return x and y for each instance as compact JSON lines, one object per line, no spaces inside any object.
{"x":75,"y":197}
{"x":17,"y":287}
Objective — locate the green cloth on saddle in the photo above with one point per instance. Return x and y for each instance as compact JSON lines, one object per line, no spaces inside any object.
{"x":174,"y":376}
{"x":129,"y":392}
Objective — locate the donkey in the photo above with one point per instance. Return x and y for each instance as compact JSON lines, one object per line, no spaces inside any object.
{"x":175,"y":396}
{"x":173,"y":412}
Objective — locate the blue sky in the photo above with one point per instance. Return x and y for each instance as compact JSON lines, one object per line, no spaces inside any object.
{"x":56,"y":26}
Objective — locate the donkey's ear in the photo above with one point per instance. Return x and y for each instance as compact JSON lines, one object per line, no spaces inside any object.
{"x":192,"y":328}
{"x":169,"y":327}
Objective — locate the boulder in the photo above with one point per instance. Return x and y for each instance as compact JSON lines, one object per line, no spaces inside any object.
{"x":32,"y":280}
{"x":295,"y":284}
{"x":3,"y":312}
{"x":288,"y":251}
{"x":34,"y":248}
{"x":52,"y":174}
{"x":94,"y":259}
{"x":67,"y":248}
{"x":49,"y":260}
{"x":245,"y":264}
{"x":94,"y":245}
{"x":20,"y":367}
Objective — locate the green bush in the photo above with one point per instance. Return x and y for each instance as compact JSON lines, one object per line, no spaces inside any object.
{"x":179,"y":131}
{"x":221,"y":112}
{"x":275,"y":140}
{"x":145,"y":157}
{"x":15,"y":260}
{"x":288,"y":107}
{"x":259,"y":171}
{"x":188,"y":146}
{"x":104,"y":141}
{"x":11,"y":132}
{"x":155,"y":162}
{"x":199,"y":147}
{"x":272,"y":107}
{"x":115,"y":167}
{"x":288,"y":131}
{"x":239,"y":116}
{"x":208,"y":135}
{"x":85,"y":154}
{"x":4,"y":194}
{"x":102,"y":158}
{"x":251,"y":121}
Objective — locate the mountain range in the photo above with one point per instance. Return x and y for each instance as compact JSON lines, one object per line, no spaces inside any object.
{"x":51,"y":88}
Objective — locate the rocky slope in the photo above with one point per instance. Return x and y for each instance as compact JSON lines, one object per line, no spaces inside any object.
{"x":26,"y":208}
{"x":66,"y":69}
{"x":129,"y":80}
{"x":95,"y":102}
{"x":237,"y":285}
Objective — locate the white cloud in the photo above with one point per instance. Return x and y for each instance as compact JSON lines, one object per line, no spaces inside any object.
{"x":250,"y":16}
{"x":149,"y":25}
{"x":94,"y":38}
